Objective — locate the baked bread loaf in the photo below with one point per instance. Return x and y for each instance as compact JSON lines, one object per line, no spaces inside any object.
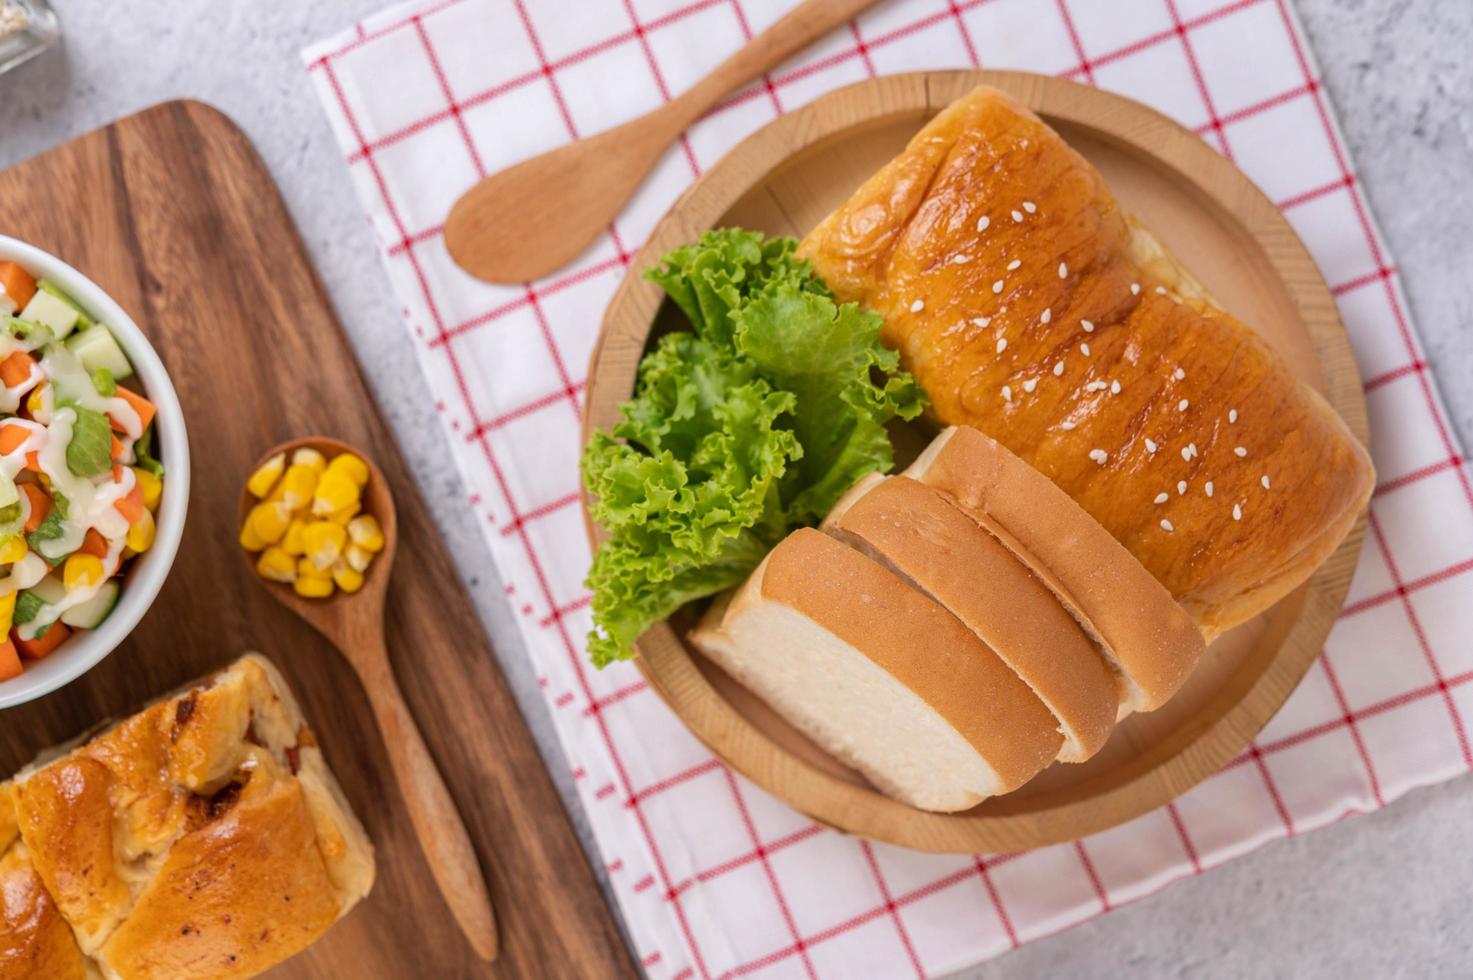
{"x":925,"y":538}
{"x":880,"y":675}
{"x":202,"y":837}
{"x":1029,"y":305}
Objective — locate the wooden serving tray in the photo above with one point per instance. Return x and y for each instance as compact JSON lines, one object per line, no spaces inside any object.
{"x":787,"y":177}
{"x":174,"y":214}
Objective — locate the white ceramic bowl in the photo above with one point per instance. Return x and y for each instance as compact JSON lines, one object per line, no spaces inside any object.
{"x":147,"y":573}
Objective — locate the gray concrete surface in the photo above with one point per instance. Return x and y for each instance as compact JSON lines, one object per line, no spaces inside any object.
{"x":1378,"y":896}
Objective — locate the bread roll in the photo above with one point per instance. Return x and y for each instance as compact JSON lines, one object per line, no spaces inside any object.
{"x":880,"y":676}
{"x":202,"y":837}
{"x":927,"y":539}
{"x":1028,"y":305}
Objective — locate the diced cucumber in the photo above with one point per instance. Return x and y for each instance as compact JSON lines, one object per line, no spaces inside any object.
{"x":49,"y":590}
{"x":9,"y":494}
{"x":46,"y":285}
{"x":96,"y":347}
{"x":90,"y":614}
{"x":55,"y":313}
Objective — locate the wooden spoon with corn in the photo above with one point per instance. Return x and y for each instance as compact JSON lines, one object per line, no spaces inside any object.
{"x":317,"y":524}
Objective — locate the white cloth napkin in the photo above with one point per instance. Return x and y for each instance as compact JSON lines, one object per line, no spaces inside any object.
{"x":714,"y":877}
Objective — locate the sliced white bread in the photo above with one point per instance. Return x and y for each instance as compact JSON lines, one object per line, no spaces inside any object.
{"x":880,"y":676}
{"x":925,"y":538}
{"x":1145,"y":633}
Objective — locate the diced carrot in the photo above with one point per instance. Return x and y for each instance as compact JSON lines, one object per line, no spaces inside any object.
{"x":42,"y":645}
{"x":117,"y":453}
{"x":16,"y":368}
{"x":9,"y":661}
{"x":132,"y":506}
{"x":141,"y":405}
{"x":33,"y":461}
{"x":17,"y":283}
{"x":94,"y":544}
{"x":11,"y":436}
{"x":40,"y":505}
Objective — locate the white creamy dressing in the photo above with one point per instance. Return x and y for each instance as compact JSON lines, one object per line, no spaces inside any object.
{"x":51,"y":612}
{"x":24,"y":573}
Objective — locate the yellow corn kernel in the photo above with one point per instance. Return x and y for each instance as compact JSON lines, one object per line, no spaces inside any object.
{"x":82,"y":571}
{"x":291,"y":541}
{"x":351,"y":466}
{"x":357,"y":558}
{"x":307,"y":456}
{"x":7,"y":611}
{"x":150,"y":486}
{"x":141,"y":535}
{"x":298,"y":486}
{"x":366,"y":532}
{"x":324,"y":542}
{"x":36,"y":402}
{"x":269,"y":520}
{"x":249,"y":539}
{"x":335,"y":491}
{"x":344,"y":515}
{"x":346,"y":578}
{"x":275,"y":565}
{"x":313,"y":586}
{"x":266,"y":475}
{"x":13,"y":550}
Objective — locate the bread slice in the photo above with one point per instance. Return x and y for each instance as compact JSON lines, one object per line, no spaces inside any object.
{"x":925,"y":538}
{"x":880,"y":675}
{"x":1149,"y":638}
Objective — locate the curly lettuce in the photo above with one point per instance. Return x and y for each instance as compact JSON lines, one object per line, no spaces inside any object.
{"x":754,"y":422}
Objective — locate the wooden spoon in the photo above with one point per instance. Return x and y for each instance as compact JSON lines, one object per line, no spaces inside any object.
{"x":538,"y":215}
{"x":355,"y":625}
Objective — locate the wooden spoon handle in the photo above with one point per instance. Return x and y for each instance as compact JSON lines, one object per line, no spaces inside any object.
{"x":442,"y":834}
{"x":803,"y":25}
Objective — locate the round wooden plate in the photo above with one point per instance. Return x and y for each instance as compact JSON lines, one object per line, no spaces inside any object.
{"x":784,"y":179}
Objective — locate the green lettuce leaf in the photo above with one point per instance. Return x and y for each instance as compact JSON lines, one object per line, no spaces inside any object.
{"x":89,"y":453}
{"x":755,"y":421}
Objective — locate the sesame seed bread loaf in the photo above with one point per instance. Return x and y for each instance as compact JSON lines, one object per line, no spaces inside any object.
{"x":927,"y":539}
{"x":1143,"y":631}
{"x":202,"y":837}
{"x":880,"y":675}
{"x":1029,"y":305}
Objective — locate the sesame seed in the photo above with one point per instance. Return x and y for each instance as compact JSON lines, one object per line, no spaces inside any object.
{"x":1232,"y":416}
{"x":1007,"y":393}
{"x":1135,"y":289}
{"x":981,"y":321}
{"x":1046,"y":315}
{"x":1066,"y":425}
{"x":1150,"y":445}
{"x":1237,"y":512}
{"x":917,"y":306}
{"x":1063,"y":270}
{"x":1084,"y":349}
{"x":1166,"y":525}
{"x":1017,"y":216}
{"x":1114,"y":387}
{"x":997,"y":286}
{"x":1099,"y":456}
{"x":1264,"y":481}
{"x":1030,"y":384}
{"x":1179,"y":374}
{"x":1088,"y":327}
{"x":1014,"y":264}
{"x":1181,"y":487}
{"x":1029,"y":206}
{"x":1240,"y":452}
{"x":1161,"y":290}
{"x":1002,"y":344}
{"x":1058,"y":369}
{"x":961,"y":259}
{"x":1208,"y":488}
{"x":1095,"y":386}
{"x":1192,"y":447}
{"x":1181,"y":406}
{"x":1186,"y":454}
{"x":983,"y":222}
{"x":1161,"y":498}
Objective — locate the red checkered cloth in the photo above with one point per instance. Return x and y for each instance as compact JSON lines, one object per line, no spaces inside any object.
{"x":714,"y":877}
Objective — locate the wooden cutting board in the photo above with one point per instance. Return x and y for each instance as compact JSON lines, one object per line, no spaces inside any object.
{"x":175,"y":215}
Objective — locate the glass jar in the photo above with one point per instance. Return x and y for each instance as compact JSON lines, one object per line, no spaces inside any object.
{"x":27,"y":27}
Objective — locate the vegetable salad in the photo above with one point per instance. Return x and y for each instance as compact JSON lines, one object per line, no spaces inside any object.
{"x":755,"y":421}
{"x":79,"y":481}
